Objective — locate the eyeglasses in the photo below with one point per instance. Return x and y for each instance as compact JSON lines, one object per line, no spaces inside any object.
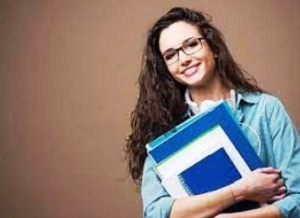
{"x":190,"y":46}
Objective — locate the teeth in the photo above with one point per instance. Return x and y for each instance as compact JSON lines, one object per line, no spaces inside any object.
{"x":190,"y":71}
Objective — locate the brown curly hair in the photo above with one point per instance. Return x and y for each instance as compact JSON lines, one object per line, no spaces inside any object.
{"x":161,"y":105}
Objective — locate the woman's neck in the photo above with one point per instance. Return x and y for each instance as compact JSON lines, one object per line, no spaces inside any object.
{"x":215,"y":91}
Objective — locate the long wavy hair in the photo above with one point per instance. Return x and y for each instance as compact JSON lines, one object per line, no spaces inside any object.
{"x":161,"y":105}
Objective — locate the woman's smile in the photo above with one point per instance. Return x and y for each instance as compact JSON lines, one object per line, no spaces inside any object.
{"x":190,"y":71}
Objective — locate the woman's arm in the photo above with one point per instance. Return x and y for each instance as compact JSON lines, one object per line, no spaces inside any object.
{"x":205,"y":205}
{"x":286,"y":155}
{"x":260,"y":185}
{"x":269,"y":211}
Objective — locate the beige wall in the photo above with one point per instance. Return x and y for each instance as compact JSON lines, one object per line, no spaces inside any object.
{"x":67,"y":86}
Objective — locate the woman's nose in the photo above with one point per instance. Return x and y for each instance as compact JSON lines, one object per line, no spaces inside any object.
{"x":184,"y":58}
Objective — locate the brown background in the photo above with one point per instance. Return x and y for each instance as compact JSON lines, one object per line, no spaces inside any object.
{"x":68,"y":71}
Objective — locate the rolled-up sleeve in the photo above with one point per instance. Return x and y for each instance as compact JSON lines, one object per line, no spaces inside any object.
{"x":156,"y":201}
{"x":286,"y":154}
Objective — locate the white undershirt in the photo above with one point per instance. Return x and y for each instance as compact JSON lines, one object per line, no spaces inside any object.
{"x":200,"y":107}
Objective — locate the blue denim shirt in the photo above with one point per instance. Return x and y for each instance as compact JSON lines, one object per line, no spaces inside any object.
{"x":279,"y":148}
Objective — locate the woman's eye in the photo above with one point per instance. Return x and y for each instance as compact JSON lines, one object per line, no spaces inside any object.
{"x":192,"y":43}
{"x":169,"y":55}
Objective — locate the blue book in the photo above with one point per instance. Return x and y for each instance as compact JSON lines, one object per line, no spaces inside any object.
{"x":205,"y":153}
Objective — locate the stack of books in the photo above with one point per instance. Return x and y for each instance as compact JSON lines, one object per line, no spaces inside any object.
{"x":206,"y":152}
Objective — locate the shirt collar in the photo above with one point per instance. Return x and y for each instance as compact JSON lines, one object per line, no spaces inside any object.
{"x":188,"y":99}
{"x":245,"y":97}
{"x":248,"y":97}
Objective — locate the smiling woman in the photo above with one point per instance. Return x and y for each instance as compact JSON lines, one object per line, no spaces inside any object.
{"x":195,"y":69}
{"x":186,"y":62}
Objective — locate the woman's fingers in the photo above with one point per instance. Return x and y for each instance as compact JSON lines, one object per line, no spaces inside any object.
{"x":280,"y":182}
{"x":282,"y":190}
{"x":279,"y":186}
{"x":278,"y":197}
{"x":268,"y":170}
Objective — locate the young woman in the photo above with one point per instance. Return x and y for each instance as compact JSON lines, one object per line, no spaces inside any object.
{"x":186,"y":63}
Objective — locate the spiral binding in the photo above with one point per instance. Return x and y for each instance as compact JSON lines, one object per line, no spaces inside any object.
{"x":184,"y":185}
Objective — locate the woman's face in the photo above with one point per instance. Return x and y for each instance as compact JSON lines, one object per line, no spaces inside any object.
{"x":196,"y":69}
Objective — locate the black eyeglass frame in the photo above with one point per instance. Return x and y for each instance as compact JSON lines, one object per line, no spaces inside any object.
{"x":183,"y":50}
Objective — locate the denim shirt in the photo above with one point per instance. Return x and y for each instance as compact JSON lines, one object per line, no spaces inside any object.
{"x":280,"y":148}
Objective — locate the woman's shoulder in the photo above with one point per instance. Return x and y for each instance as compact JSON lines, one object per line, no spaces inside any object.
{"x":261,"y":98}
{"x":263,"y":103}
{"x":269,"y":97}
{"x":272,"y":101}
{"x":270,"y":104}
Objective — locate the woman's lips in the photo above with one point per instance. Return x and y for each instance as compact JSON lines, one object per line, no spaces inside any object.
{"x":191,"y":70}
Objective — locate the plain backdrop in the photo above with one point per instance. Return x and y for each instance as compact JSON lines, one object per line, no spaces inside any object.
{"x":68,"y":72}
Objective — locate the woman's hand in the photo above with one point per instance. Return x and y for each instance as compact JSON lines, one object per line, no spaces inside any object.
{"x":261,"y":185}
